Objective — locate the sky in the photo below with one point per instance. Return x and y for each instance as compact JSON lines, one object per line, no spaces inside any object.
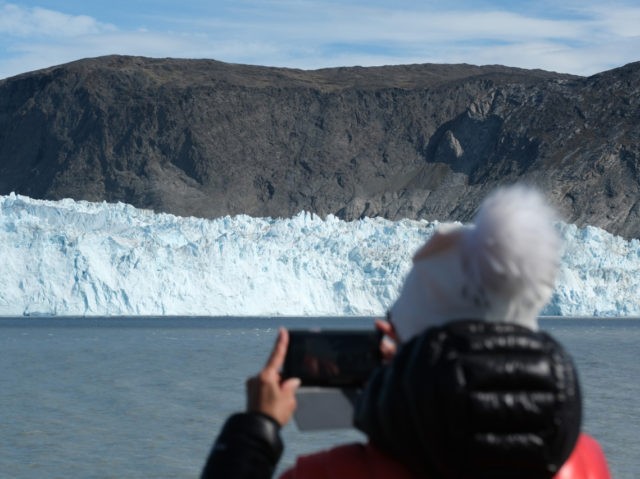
{"x":582,"y":37}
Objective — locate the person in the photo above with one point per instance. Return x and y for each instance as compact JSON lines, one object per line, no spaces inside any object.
{"x":471,"y":388}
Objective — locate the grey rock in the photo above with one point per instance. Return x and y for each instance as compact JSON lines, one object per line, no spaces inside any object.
{"x":205,"y":138}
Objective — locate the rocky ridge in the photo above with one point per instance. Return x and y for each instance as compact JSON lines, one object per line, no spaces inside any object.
{"x":205,"y":138}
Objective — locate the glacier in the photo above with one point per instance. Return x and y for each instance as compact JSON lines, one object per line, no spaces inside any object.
{"x":82,"y":259}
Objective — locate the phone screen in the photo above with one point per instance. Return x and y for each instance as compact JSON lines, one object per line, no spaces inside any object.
{"x":338,"y":358}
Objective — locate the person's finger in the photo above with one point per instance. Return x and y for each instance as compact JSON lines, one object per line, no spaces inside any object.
{"x":276,"y":360}
{"x":382,"y":325}
{"x":387,"y":328}
{"x":388,"y":349}
{"x":291,"y":385}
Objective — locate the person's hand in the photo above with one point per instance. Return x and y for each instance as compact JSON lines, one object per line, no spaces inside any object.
{"x":389,"y":343}
{"x":266,"y":392}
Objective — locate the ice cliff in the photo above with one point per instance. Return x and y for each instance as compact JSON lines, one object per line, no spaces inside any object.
{"x":78,"y":258}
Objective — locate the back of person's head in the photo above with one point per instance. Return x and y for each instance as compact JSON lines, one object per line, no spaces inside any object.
{"x":500,"y":268}
{"x":475,"y":399}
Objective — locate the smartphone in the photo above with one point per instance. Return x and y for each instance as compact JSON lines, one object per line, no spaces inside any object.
{"x":332,"y":358}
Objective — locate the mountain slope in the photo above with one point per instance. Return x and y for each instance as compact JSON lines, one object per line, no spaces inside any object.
{"x":204,"y":138}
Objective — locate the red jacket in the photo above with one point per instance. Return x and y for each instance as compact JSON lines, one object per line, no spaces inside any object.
{"x":355,"y":461}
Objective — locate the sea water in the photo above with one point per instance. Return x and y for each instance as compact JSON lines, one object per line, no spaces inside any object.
{"x":145,"y":397}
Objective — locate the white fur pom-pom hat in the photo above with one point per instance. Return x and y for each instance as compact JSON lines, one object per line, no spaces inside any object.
{"x":500,"y":268}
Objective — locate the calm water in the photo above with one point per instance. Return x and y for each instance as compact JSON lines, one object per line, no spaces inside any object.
{"x":145,"y":397}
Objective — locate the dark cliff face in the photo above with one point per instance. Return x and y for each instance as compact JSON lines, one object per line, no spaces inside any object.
{"x":205,"y":138}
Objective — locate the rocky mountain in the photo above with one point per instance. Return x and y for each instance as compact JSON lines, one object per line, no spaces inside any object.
{"x":205,"y":138}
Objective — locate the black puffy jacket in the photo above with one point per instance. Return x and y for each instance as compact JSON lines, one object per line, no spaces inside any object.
{"x":248,"y":447}
{"x":475,"y":399}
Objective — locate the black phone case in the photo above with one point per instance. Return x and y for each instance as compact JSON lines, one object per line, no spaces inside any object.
{"x":332,"y":358}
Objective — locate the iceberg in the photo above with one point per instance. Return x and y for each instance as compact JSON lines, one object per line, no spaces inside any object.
{"x":79,"y":258}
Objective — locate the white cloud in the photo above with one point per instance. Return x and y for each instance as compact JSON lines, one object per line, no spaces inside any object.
{"x":456,"y":27}
{"x":623,"y":22}
{"x":316,"y":23}
{"x":25,"y":22}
